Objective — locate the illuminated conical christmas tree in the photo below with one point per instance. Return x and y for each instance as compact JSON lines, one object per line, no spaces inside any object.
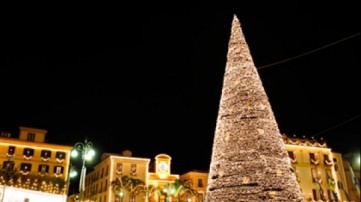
{"x":249,"y":158}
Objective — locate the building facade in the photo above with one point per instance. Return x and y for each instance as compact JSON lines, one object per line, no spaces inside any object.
{"x":28,"y":162}
{"x":320,"y":172}
{"x":110,"y":179}
{"x":323,"y":175}
{"x":199,"y":183}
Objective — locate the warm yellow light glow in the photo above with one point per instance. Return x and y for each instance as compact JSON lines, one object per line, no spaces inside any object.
{"x":35,"y":147}
{"x":162,"y":176}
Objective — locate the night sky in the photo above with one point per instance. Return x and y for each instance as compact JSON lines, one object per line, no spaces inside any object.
{"x":148,"y":77}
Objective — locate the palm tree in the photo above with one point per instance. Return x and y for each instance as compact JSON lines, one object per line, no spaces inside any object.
{"x":179,"y":187}
{"x":135,"y":185}
{"x":148,"y":191}
{"x":125,"y":184}
{"x":121,"y":186}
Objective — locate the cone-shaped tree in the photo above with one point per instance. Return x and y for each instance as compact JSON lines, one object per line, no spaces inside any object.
{"x":249,"y":159}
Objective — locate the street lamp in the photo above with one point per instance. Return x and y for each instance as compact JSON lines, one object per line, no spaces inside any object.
{"x":87,"y":153}
{"x":71,"y":174}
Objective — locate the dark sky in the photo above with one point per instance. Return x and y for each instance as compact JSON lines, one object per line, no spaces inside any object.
{"x":147,"y":77}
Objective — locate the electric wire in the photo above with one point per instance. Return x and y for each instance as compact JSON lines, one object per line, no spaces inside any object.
{"x":338,"y":125}
{"x":309,"y":52}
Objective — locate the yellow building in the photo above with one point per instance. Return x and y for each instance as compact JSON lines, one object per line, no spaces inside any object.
{"x":199,"y":181}
{"x":101,"y":186}
{"x":352,"y":175}
{"x":34,"y":164}
{"x":320,"y":171}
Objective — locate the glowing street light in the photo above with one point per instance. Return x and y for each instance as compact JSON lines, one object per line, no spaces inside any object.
{"x":72,"y":172}
{"x":87,"y":153}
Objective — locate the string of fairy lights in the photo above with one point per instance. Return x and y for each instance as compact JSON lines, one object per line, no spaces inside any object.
{"x":35,"y":183}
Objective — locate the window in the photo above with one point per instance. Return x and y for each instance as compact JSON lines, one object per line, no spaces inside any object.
{"x":31,"y":137}
{"x":58,"y":170}
{"x":313,"y":159}
{"x":102,"y":173}
{"x":106,"y":171}
{"x":133,"y":169}
{"x":45,"y":154}
{"x":340,"y":185}
{"x":291,"y":154}
{"x":43,"y":169}
{"x":329,"y":194}
{"x":200,"y":197}
{"x":8,"y":165}
{"x":200,"y":183}
{"x":106,"y":185}
{"x":119,"y":168}
{"x":28,"y":153}
{"x":326,"y":160}
{"x":315,"y":177}
{"x":60,"y":156}
{"x":11,"y":150}
{"x":315,"y":196}
{"x":25,"y":168}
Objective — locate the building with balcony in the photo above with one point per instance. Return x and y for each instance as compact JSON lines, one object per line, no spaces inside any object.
{"x":321,"y":173}
{"x":32,"y":168}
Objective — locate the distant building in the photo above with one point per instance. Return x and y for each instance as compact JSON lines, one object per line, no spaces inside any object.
{"x":199,"y":181}
{"x":352,"y":172}
{"x":32,"y":169}
{"x":321,"y":173}
{"x":100,"y":182}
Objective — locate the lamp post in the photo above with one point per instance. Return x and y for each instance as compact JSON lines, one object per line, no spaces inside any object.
{"x":87,"y":153}
{"x":71,"y":174}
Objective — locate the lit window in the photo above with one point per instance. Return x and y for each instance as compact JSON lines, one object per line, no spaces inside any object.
{"x":58,"y":170}
{"x":11,"y":150}
{"x":28,"y":153}
{"x":8,"y":165}
{"x":60,"y":155}
{"x":25,"y":167}
{"x":43,"y":169}
{"x":45,"y":154}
